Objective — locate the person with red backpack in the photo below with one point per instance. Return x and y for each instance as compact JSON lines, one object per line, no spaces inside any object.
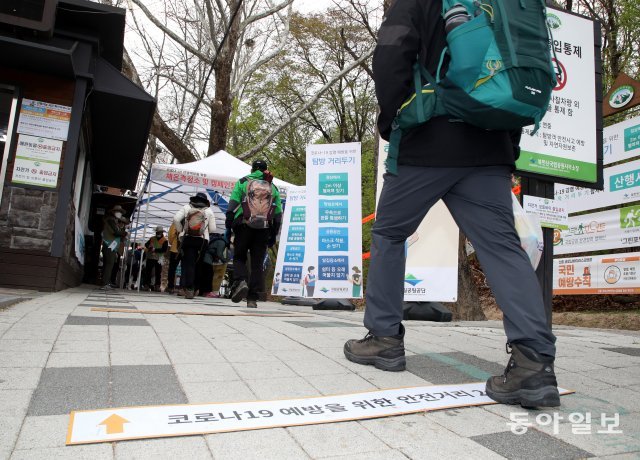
{"x":194,"y":222}
{"x":254,"y":215}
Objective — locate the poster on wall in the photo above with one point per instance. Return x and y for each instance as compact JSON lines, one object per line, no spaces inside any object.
{"x":37,"y":161}
{"x":288,"y":276}
{"x":334,"y":217}
{"x":43,"y":119}
{"x":431,"y":273}
{"x":614,"y":229}
{"x":603,"y":274}
{"x":566,"y":145}
{"x":551,"y":213}
{"x":621,"y":186}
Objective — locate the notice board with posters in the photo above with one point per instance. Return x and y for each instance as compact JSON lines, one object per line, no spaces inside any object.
{"x":567,"y":148}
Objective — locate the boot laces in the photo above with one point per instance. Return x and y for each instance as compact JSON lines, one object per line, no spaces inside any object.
{"x":367,"y":338}
{"x":510,"y":365}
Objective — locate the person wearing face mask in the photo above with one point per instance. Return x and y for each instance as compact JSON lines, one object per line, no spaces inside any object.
{"x":112,"y":234}
{"x":156,"y":247}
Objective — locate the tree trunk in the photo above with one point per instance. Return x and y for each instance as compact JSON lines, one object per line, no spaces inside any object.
{"x":170,"y":140}
{"x":222,"y":106}
{"x":615,"y":54}
{"x":468,"y":307}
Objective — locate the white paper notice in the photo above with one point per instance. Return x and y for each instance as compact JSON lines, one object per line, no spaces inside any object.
{"x":109,"y":425}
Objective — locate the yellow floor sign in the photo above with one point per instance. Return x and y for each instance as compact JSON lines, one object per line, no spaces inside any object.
{"x":107,"y":425}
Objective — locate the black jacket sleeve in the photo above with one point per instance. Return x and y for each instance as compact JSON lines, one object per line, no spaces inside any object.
{"x":231,"y":212}
{"x":396,"y":51}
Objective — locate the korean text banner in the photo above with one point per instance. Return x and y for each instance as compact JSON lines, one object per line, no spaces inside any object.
{"x":614,"y":229}
{"x":622,"y":141}
{"x":37,"y":161}
{"x":566,"y":144}
{"x":334,"y":217}
{"x":603,"y":274}
{"x":431,"y":272}
{"x":288,"y":276}
{"x":108,"y":425}
{"x":621,"y":186}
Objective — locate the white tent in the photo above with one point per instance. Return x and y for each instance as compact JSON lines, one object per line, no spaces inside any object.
{"x":169,"y":187}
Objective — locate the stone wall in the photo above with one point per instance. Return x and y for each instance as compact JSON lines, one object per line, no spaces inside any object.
{"x":27,"y":217}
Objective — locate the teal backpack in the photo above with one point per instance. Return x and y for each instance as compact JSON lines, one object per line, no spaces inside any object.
{"x":500,"y":74}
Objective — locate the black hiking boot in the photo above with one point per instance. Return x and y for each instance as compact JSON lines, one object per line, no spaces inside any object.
{"x":386,"y":353}
{"x":239,"y":292}
{"x":528,"y":380}
{"x":252,"y":304}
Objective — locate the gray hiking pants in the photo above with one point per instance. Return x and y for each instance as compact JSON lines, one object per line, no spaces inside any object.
{"x":479,"y":200}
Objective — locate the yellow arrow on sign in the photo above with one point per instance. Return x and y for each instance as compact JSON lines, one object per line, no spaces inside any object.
{"x":114,"y":424}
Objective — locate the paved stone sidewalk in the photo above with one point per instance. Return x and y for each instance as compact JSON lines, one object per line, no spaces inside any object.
{"x":56,"y":355}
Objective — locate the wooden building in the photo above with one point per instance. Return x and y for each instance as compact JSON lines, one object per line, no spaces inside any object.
{"x":71,"y":127}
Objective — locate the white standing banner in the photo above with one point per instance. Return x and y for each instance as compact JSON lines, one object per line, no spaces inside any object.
{"x":37,"y":161}
{"x":108,"y":425}
{"x":550,"y":213}
{"x":432,"y":252}
{"x":603,"y":274}
{"x":288,"y":275}
{"x":43,"y":119}
{"x":614,"y":229}
{"x":566,"y":145}
{"x":621,"y":186}
{"x":334,"y":217}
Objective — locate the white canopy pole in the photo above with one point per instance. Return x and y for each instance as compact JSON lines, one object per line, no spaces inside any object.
{"x":144,"y":232}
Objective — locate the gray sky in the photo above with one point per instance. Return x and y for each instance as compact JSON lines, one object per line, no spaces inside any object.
{"x":311,"y":5}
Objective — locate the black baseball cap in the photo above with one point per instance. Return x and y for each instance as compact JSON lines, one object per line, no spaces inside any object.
{"x":259,"y":165}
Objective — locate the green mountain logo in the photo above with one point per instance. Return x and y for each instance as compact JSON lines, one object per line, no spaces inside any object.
{"x":412,"y":280}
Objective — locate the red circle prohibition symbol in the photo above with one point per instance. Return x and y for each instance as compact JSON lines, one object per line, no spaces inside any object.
{"x":561,"y":74}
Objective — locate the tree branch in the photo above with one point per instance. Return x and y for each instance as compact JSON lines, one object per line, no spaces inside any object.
{"x":170,"y":33}
{"x":256,"y":149}
{"x":266,"y":13}
{"x":255,"y":66}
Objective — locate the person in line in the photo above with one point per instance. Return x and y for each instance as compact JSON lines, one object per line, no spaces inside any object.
{"x":194,"y":222}
{"x":112,"y":234}
{"x":215,"y":258}
{"x":122,"y":224}
{"x":174,"y":258}
{"x":470,"y":170}
{"x":156,"y":247}
{"x":254,"y":216}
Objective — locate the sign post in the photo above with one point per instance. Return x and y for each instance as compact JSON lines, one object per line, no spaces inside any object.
{"x":568,"y":147}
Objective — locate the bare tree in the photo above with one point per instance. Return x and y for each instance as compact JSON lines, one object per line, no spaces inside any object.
{"x":227,"y":40}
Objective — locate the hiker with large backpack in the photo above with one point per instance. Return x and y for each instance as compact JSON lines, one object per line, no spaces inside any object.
{"x":254,"y":216}
{"x":456,"y":82}
{"x":194,"y":222}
